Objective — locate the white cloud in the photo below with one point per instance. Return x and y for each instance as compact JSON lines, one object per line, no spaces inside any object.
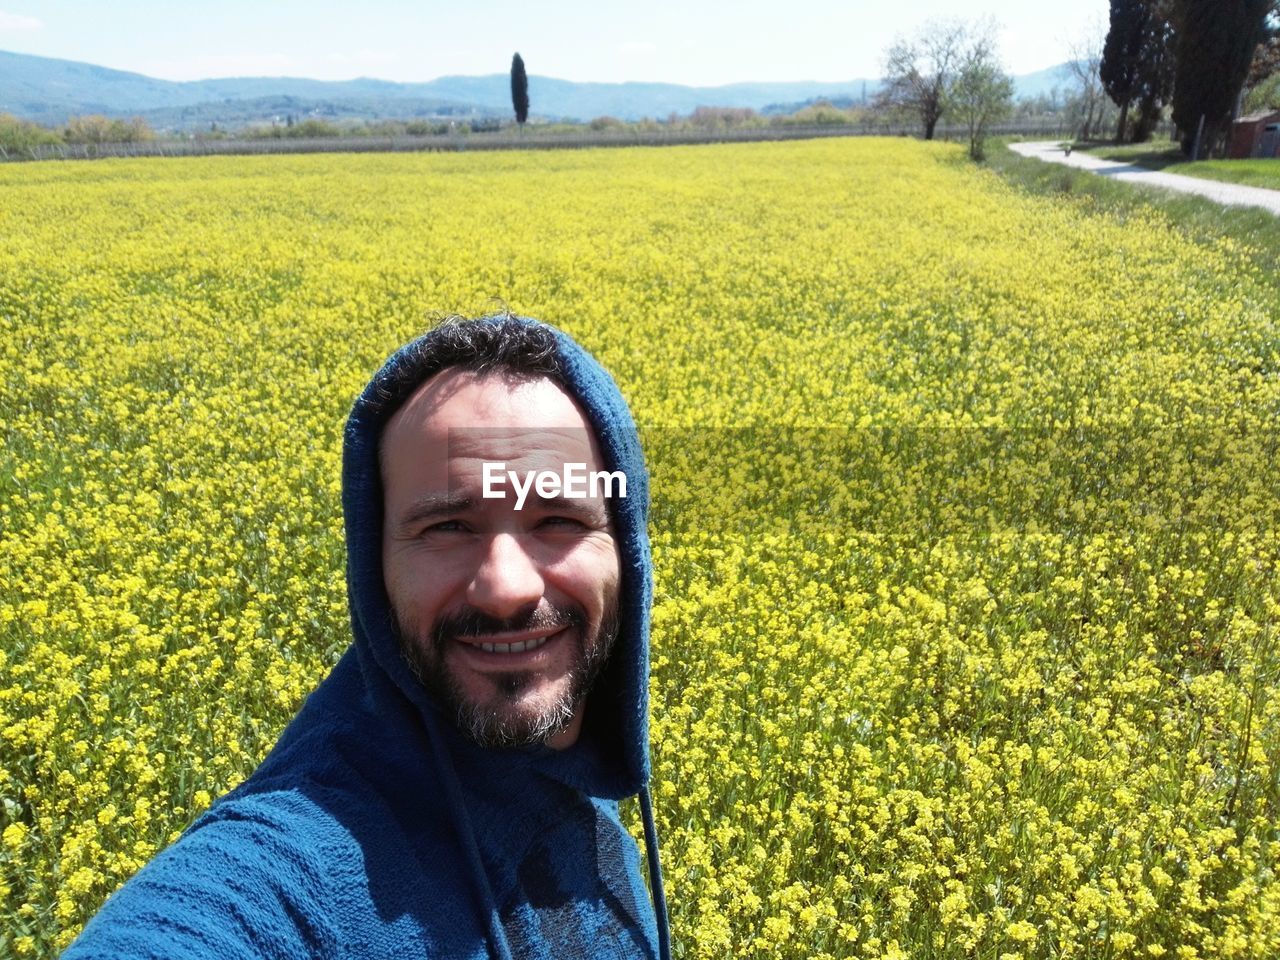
{"x":638,"y":48}
{"x":16,"y":21}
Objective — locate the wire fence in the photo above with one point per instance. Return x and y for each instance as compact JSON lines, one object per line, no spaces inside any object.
{"x":507,"y":139}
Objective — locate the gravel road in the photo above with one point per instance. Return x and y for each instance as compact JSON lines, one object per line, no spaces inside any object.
{"x":1229,"y":193}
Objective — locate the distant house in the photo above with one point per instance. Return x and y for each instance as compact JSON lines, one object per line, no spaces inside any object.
{"x":1256,"y":135}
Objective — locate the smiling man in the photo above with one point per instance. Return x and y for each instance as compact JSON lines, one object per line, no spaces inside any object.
{"x":506,"y":606}
{"x":451,"y":789}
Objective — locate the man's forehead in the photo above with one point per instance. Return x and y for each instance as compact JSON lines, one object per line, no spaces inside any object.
{"x":480,"y":413}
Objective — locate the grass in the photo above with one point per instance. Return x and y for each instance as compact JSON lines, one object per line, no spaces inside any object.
{"x":1257,"y":231}
{"x":1252,"y":173}
{"x":1169,"y":157}
{"x":1155,"y":155}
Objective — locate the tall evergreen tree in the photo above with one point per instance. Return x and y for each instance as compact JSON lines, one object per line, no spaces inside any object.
{"x":1119,"y":68}
{"x":1156,"y":67}
{"x":1215,"y":47}
{"x":519,"y":90}
{"x":1137,"y":62}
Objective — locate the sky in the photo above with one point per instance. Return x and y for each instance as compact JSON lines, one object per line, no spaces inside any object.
{"x":675,"y":41}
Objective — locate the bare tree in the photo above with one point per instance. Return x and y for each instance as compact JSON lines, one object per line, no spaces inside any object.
{"x":919,"y":71}
{"x":1085,"y":65}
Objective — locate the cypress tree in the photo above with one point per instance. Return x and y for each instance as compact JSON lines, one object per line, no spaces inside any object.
{"x":1216,"y":44}
{"x":519,"y":90}
{"x":1119,"y":68}
{"x":1137,"y":61}
{"x":1155,"y":68}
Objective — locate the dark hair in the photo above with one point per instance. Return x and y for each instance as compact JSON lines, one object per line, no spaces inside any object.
{"x":503,"y":344}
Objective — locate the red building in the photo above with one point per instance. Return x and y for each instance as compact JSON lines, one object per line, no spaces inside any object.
{"x":1257,"y":135}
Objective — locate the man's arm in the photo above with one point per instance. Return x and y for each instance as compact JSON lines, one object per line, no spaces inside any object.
{"x":247,"y":880}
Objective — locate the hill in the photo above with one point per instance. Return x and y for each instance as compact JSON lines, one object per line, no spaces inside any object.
{"x":48,"y":90}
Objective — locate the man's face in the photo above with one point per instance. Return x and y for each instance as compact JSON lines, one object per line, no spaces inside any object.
{"x":506,"y":614}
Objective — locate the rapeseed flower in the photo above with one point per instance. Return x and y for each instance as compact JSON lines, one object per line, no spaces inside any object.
{"x":965,"y":523}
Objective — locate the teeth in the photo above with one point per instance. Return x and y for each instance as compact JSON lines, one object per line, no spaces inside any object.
{"x":518,"y":647}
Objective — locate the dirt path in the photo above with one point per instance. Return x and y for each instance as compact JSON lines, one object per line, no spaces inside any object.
{"x":1228,"y":193}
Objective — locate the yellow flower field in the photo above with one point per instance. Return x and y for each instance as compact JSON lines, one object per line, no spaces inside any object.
{"x":965,"y":523}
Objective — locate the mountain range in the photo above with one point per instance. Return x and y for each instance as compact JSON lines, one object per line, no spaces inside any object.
{"x":48,"y":91}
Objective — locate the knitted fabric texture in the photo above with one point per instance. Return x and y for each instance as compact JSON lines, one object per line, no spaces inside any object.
{"x":375,"y":829}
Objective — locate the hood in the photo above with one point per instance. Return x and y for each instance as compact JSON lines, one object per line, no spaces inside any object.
{"x":612,"y":757}
{"x":358,"y":834}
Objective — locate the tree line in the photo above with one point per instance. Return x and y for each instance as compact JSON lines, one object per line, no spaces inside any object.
{"x":1198,"y":57}
{"x":19,"y":134}
{"x":948,"y":67}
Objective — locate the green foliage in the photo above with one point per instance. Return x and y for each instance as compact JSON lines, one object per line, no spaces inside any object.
{"x":16,"y":134}
{"x":1266,"y":58}
{"x":312,"y":128}
{"x":96,"y":128}
{"x":1253,"y":173}
{"x":822,"y":114}
{"x":1150,"y":155}
{"x":422,"y":128}
{"x":1265,"y":96}
{"x":1137,"y":62}
{"x":951,"y":67}
{"x":1119,"y":67}
{"x":981,"y":94}
{"x":1216,"y":45}
{"x":722,"y":118}
{"x":519,"y":89}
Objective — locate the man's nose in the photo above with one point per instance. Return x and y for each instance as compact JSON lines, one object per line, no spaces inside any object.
{"x":507,"y":579}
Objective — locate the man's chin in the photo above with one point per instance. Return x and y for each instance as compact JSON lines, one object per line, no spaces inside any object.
{"x":514,"y":715}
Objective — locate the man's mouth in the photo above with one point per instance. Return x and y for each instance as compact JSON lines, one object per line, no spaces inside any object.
{"x":518,"y":647}
{"x":514,"y":642}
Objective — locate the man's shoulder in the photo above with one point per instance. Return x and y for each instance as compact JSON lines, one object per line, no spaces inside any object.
{"x":280,"y":818}
{"x":251,"y":870}
{"x":343,"y":741}
{"x":276,"y":864}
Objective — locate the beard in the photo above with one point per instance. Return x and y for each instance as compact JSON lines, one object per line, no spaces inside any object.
{"x":502,"y":719}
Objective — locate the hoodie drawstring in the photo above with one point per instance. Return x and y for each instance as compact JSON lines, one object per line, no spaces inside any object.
{"x":462,"y":819}
{"x":655,"y":874}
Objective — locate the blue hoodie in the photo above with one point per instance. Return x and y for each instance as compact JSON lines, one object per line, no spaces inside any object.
{"x":375,"y":829}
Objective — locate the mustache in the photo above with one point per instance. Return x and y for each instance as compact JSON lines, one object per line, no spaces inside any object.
{"x":470,"y":623}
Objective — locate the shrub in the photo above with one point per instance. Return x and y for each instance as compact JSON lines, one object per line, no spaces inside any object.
{"x":19,"y":134}
{"x":95,"y":128}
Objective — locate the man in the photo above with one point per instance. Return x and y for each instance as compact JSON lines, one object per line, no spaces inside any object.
{"x":451,"y":789}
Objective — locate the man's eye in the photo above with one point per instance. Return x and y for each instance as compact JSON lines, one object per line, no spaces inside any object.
{"x":445,"y":526}
{"x":564,"y":522}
